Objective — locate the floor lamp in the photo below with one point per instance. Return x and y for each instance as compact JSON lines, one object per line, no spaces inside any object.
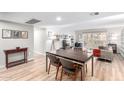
{"x":53,"y":43}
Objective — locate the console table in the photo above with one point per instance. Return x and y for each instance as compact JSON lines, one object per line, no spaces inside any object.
{"x":17,"y":62}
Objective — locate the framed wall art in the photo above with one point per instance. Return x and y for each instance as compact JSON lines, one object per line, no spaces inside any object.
{"x":6,"y":34}
{"x":24,"y":34}
{"x":14,"y":34}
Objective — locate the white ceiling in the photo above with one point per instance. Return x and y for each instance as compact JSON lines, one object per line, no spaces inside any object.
{"x":49,"y":18}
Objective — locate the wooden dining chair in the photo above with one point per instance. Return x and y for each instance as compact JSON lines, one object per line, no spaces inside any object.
{"x":70,"y":68}
{"x":54,"y":61}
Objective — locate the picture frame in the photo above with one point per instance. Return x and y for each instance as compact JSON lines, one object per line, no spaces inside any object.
{"x":6,"y":34}
{"x":24,"y":34}
{"x":16,"y":34}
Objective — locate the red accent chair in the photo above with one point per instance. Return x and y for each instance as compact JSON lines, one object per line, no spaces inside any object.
{"x":96,"y":52}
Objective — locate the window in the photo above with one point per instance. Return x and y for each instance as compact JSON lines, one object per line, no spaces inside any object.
{"x":94,"y":39}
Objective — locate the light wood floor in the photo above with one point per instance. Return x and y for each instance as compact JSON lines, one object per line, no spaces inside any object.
{"x":35,"y":70}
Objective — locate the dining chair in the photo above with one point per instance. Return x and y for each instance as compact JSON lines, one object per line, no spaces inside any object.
{"x":54,"y":61}
{"x":70,"y":68}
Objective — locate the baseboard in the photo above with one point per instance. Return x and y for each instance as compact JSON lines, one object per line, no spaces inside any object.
{"x":2,"y":66}
{"x":31,"y":59}
{"x":39,"y":53}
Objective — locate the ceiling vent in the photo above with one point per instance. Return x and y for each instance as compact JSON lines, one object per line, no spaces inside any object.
{"x":33,"y":21}
{"x":94,"y":13}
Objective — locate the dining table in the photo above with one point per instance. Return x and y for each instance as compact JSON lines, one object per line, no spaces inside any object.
{"x":77,"y":56}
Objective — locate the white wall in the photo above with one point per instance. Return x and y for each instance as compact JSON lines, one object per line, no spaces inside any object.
{"x":13,"y":43}
{"x":41,"y":41}
{"x":40,"y":38}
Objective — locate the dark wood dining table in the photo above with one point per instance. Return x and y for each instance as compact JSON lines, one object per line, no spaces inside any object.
{"x":78,"y":56}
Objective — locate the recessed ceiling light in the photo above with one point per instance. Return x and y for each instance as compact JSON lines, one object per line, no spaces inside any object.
{"x":58,"y":18}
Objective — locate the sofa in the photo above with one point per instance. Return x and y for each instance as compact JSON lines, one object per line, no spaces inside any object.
{"x":106,"y":53}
